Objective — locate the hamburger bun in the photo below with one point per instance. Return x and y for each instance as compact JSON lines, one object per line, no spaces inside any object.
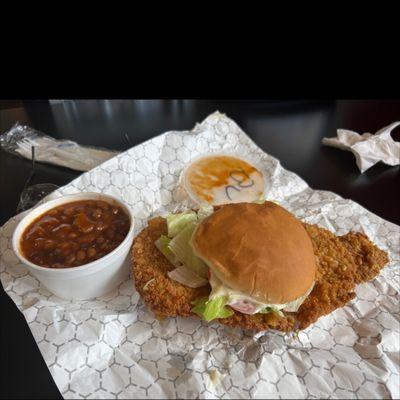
{"x":261,"y":250}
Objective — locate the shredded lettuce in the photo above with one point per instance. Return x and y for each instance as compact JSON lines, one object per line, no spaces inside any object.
{"x":234,"y":296}
{"x":187,"y":277}
{"x":177,"y":222}
{"x":177,"y":249}
{"x":269,"y":309}
{"x":180,"y":246}
{"x":212,"y":309}
{"x":205,"y":211}
{"x":162,"y":245}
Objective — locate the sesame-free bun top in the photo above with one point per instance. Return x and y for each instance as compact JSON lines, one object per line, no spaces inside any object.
{"x":261,"y":250}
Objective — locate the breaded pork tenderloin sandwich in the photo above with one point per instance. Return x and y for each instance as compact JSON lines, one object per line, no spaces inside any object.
{"x":249,"y":265}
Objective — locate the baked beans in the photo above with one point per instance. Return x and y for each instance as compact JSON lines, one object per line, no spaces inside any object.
{"x":74,"y":234}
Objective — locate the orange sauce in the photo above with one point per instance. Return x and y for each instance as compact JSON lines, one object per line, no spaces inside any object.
{"x":213,"y":172}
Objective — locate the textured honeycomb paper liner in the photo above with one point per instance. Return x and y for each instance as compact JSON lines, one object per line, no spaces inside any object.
{"x":113,"y":347}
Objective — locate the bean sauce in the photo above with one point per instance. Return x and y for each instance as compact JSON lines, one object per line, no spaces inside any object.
{"x":74,"y":234}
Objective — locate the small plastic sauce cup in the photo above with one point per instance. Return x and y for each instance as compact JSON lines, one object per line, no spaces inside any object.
{"x":222,"y":178}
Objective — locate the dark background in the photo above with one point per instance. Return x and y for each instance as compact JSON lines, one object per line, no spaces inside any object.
{"x":289,"y":130}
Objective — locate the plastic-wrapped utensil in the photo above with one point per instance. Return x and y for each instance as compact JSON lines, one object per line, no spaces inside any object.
{"x":20,"y":139}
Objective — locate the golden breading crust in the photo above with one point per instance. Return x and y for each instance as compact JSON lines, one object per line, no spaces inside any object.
{"x":342,"y":262}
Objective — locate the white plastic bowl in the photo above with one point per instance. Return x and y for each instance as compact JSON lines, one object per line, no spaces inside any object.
{"x":86,"y":281}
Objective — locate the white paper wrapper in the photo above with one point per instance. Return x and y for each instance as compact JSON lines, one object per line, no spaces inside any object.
{"x":113,"y":347}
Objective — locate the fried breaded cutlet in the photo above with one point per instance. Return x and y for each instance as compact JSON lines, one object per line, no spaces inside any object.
{"x":342,"y":263}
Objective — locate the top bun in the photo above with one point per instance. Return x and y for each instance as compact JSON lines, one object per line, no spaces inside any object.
{"x":261,"y":250}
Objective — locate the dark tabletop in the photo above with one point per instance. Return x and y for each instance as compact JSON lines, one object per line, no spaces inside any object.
{"x":289,"y":130}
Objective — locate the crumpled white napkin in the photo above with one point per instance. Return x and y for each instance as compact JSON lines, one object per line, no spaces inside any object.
{"x":367,"y":148}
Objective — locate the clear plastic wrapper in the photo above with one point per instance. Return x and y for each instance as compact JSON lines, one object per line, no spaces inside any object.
{"x":20,"y":139}
{"x":33,"y":194}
